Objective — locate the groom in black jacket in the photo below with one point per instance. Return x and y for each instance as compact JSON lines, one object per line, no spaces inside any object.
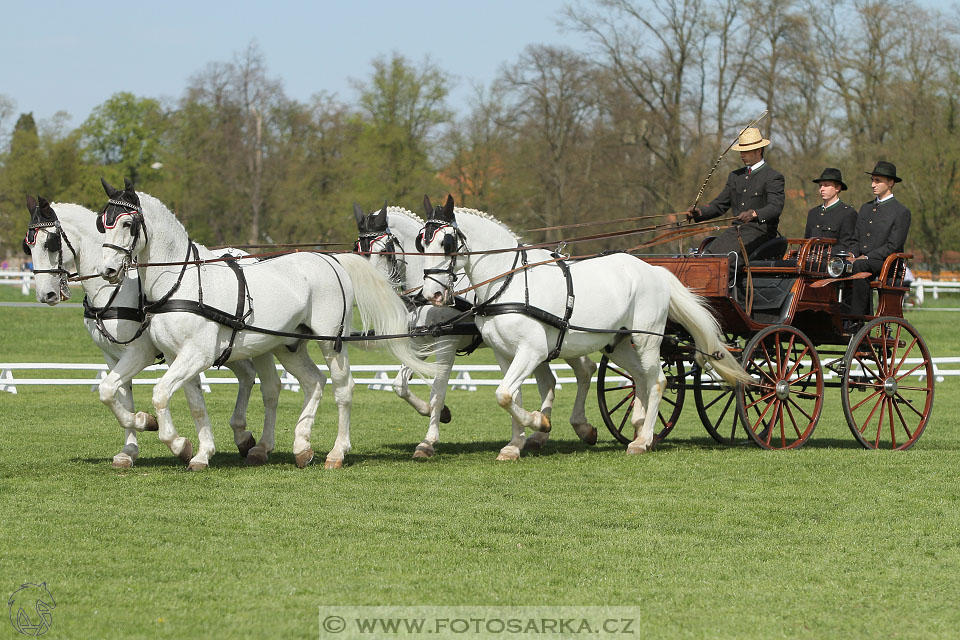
{"x":882,"y":227}
{"x":754,"y":194}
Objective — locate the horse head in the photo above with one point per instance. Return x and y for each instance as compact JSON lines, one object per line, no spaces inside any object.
{"x":441,"y":240}
{"x":376,"y":242}
{"x":44,"y":244}
{"x":121,"y":222}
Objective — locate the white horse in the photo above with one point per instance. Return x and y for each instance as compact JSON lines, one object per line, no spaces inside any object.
{"x":613,"y":293}
{"x":284,"y":297}
{"x":63,"y":238}
{"x":394,"y":230}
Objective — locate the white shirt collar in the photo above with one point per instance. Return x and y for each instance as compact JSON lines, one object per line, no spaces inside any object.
{"x":836,"y":199}
{"x":757,"y":166}
{"x":885,"y":199}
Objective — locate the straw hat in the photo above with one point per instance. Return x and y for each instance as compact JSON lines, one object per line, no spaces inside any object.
{"x":750,"y":139}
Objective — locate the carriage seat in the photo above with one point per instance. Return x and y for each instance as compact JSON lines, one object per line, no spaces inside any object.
{"x":768,"y":254}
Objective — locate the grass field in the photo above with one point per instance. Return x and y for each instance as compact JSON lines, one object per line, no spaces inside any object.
{"x":704,"y":541}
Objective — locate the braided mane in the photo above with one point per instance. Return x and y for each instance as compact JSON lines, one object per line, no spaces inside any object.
{"x":486,"y":216}
{"x":405,"y":212}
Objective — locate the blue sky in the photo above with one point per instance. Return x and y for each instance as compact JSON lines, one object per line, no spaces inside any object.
{"x":72,"y":56}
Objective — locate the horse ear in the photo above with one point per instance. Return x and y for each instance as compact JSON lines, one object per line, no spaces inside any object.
{"x":31,"y":203}
{"x":358,"y":215}
{"x":42,"y":202}
{"x":111,"y":192}
{"x":448,"y":208}
{"x":384,"y":210}
{"x":427,"y":207}
{"x":127,"y":185}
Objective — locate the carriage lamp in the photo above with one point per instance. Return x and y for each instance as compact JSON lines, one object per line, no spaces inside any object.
{"x":838,"y":265}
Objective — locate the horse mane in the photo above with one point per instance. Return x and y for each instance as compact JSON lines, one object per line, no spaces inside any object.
{"x":486,"y":216}
{"x":146,"y":198}
{"x":406,"y":213}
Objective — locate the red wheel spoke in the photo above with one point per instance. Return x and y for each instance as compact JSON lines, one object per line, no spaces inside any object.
{"x":886,"y":352}
{"x":922,"y":364}
{"x":868,"y":369}
{"x":783,"y":433}
{"x":805,"y":394}
{"x":618,"y":372}
{"x":877,"y":358}
{"x":909,"y":404}
{"x":905,"y":354}
{"x":620,"y":404}
{"x":779,"y":357}
{"x":805,"y":376}
{"x":883,"y":406}
{"x":786,"y":358}
{"x":870,"y":416}
{"x":760,"y":419}
{"x":796,"y":365}
{"x":899,"y":388}
{"x":794,"y":421}
{"x":893,"y":434}
{"x":626,"y":386}
{"x":766,"y":397}
{"x":903,"y":422}
{"x":865,"y":400}
{"x":800,"y":409}
{"x":763,"y":374}
{"x":668,"y":401}
{"x":896,"y":341}
{"x":717,"y":399}
{"x":626,"y":414}
{"x":770,"y":366}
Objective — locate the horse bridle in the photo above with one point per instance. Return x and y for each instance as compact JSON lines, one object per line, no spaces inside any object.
{"x":364,"y":246}
{"x":59,"y":270}
{"x":450,"y":250}
{"x":137,"y":216}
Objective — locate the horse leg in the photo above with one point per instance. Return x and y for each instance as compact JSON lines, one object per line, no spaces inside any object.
{"x":185,"y":369}
{"x":401,"y":387}
{"x":643,"y":364}
{"x":547,"y":386}
{"x":446,"y":350}
{"x":270,"y":391}
{"x":198,"y":409}
{"x":342,"y":379}
{"x":583,"y":369}
{"x":311,"y":381}
{"x":134,"y":360}
{"x":508,"y":397}
{"x":246,"y":377}
{"x":131,"y":450}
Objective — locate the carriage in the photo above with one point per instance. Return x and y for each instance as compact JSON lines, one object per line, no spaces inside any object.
{"x":784,"y":316}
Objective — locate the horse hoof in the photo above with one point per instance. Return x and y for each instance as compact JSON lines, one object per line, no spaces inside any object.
{"x":635,"y":447}
{"x":196,"y":466}
{"x":304,"y":458}
{"x":333,"y":464}
{"x":543,"y":422}
{"x":256,"y":457}
{"x":591,"y":438}
{"x":532,"y":445}
{"x":150,"y":423}
{"x":508,"y":456}
{"x":445,"y":416}
{"x":186,"y":454}
{"x":122,"y":461}
{"x":244,"y":447}
{"x":423,"y":452}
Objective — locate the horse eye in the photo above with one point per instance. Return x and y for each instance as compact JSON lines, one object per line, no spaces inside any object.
{"x":126,"y":225}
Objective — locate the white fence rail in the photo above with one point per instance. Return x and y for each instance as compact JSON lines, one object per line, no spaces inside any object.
{"x":377,"y":377}
{"x":22,"y":278}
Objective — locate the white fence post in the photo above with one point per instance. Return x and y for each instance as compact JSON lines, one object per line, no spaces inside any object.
{"x":7,"y":374}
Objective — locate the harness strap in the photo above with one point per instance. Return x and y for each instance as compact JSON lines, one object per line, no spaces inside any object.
{"x":111,"y":313}
{"x":241,"y":297}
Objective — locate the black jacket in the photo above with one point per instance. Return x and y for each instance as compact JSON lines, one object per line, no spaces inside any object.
{"x":882,"y":228}
{"x":838,"y":222}
{"x":761,"y":191}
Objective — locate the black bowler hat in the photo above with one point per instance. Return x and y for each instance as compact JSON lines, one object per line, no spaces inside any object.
{"x":833,"y":175}
{"x":885,"y":169}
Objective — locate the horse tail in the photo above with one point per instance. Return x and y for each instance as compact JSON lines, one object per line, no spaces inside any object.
{"x":692,"y":312}
{"x":382,"y":310}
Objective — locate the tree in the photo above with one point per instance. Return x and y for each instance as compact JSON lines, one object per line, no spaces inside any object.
{"x":125,"y":131}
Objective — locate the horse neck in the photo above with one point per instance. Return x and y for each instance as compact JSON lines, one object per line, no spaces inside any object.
{"x":485,"y":235}
{"x":167,"y":241}
{"x":406,"y":230}
{"x":78,"y":225}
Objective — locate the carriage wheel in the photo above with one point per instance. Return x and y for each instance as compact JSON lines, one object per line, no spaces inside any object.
{"x":887,"y":389}
{"x":717,"y":407}
{"x":781,"y":410}
{"x":616,"y":399}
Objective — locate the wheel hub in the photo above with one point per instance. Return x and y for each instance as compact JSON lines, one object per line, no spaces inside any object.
{"x":783,"y":389}
{"x":890,"y":387}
